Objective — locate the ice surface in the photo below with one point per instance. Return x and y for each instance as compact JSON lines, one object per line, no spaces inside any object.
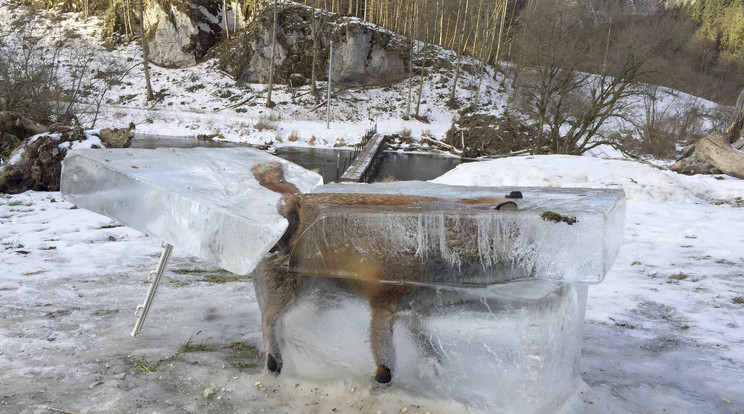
{"x":470,"y":244}
{"x":205,"y":202}
{"x":488,"y":305}
{"x":515,"y":346}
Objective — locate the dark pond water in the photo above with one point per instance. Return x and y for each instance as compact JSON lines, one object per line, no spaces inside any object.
{"x":325,"y":160}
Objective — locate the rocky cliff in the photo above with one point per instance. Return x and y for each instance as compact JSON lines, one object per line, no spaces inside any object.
{"x":362,"y":53}
{"x":180,"y":32}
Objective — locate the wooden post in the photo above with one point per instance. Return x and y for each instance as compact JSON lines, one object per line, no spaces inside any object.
{"x":330,"y":67}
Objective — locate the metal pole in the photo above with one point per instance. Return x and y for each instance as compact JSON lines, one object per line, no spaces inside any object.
{"x":143,"y":309}
{"x":330,"y":66}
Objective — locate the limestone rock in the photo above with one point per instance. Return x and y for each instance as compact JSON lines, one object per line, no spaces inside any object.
{"x":117,"y":137}
{"x":362,"y":53}
{"x":179,"y":32}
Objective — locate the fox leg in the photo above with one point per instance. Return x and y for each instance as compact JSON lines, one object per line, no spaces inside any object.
{"x":384,"y":304}
{"x":278,"y":289}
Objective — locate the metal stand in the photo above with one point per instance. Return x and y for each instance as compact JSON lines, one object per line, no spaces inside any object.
{"x":142,"y":310}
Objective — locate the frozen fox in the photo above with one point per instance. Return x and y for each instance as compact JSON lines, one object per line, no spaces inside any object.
{"x":384,"y":298}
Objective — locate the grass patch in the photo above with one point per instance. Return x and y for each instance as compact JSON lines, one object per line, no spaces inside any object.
{"x":192,"y":347}
{"x":209,"y":276}
{"x":244,"y":349}
{"x":739,"y":300}
{"x":725,"y":262}
{"x":623,"y":324}
{"x":189,"y":271}
{"x":678,"y":276}
{"x":144,"y":366}
{"x":243,"y":364}
{"x":557,"y":218}
{"x":244,"y":354}
{"x":219,"y":279}
{"x":15,"y":203}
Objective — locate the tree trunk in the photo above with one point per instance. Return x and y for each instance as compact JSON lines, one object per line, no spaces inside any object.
{"x":461,"y":45}
{"x":315,"y":33}
{"x":13,"y":121}
{"x":410,"y":22}
{"x":148,"y":85}
{"x":737,"y":123}
{"x":270,"y":104}
{"x":423,"y":72}
{"x":716,"y":149}
{"x":224,"y":15}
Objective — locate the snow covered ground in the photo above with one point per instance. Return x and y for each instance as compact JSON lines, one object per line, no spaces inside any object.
{"x":663,"y":332}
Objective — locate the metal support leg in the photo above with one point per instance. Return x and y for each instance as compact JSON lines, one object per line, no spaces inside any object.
{"x":143,"y":309}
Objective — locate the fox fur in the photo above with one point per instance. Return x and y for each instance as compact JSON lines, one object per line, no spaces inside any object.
{"x":384,"y":298}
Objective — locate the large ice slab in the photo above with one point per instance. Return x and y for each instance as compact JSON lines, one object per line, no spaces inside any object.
{"x":564,"y":234}
{"x":203,"y":201}
{"x":511,"y":348}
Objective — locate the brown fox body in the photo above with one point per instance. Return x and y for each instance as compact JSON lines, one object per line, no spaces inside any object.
{"x":384,"y":298}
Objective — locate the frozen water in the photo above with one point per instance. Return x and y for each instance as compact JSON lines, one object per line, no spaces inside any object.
{"x":455,"y":243}
{"x":515,"y":346}
{"x":488,"y":305}
{"x":205,"y":202}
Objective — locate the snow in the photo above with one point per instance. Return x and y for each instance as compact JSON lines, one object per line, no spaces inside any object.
{"x":663,"y":332}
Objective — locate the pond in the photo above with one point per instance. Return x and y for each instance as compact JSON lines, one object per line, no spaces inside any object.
{"x":395,"y":165}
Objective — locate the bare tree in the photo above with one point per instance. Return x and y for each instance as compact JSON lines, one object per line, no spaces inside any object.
{"x":461,"y":46}
{"x":558,"y":104}
{"x":425,"y":52}
{"x":145,"y":59}
{"x":411,"y":54}
{"x":317,"y":22}
{"x":270,"y":104}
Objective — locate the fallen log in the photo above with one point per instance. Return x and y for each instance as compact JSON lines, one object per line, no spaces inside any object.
{"x":13,"y":122}
{"x":716,"y":149}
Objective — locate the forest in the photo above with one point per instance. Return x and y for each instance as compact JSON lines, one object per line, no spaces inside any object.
{"x":696,"y":47}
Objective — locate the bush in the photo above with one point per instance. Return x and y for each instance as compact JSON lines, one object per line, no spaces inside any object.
{"x":479,"y":134}
{"x":50,"y":81}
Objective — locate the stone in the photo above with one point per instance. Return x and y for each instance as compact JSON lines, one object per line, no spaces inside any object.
{"x":209,"y":392}
{"x":179,"y":33}
{"x":362,"y":53}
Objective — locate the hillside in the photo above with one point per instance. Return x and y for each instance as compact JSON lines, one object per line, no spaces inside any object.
{"x":203,"y":100}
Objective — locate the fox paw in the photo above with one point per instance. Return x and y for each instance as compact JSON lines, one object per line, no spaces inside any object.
{"x":273,"y":365}
{"x":383,"y":375}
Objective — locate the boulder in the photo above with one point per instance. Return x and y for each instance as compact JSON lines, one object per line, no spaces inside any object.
{"x":362,"y":53}
{"x":180,"y":32}
{"x":116,"y":137}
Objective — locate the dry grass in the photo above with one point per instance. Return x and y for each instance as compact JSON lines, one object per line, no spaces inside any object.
{"x":264,"y":124}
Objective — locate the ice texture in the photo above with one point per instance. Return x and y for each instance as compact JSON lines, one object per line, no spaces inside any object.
{"x":203,"y":201}
{"x":447,"y":242}
{"x":513,"y":346}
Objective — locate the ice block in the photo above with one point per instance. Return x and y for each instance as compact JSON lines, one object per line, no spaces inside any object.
{"x":564,"y":234}
{"x":511,"y":348}
{"x":204,"y":201}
